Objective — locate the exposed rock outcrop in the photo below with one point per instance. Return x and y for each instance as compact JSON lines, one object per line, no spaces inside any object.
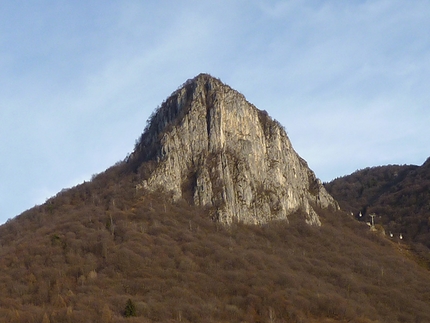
{"x":210,"y":144}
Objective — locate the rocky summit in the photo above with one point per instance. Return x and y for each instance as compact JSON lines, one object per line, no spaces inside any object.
{"x":208,"y":144}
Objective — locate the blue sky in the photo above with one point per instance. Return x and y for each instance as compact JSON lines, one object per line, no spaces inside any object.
{"x":349,"y":80}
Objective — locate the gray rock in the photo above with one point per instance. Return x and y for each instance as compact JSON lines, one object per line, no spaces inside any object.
{"x":208,"y":140}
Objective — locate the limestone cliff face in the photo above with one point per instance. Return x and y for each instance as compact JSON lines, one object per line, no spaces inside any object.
{"x":208,"y":141}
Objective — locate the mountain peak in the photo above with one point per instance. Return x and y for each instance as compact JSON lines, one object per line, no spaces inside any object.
{"x":207,"y":144}
{"x":202,"y":77}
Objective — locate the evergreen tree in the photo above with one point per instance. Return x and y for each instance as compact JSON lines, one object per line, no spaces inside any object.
{"x":130,"y":309}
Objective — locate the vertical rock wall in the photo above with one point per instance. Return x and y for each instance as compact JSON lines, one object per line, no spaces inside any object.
{"x":208,"y":139}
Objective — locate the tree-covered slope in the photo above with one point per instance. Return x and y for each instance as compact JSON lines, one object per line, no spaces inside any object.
{"x":399,"y":196}
{"x":101,"y":251}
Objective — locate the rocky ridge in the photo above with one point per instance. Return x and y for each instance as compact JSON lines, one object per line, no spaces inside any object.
{"x":208,"y":144}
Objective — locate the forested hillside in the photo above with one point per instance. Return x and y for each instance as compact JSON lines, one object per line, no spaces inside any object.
{"x":398,"y":195}
{"x":104,"y":252}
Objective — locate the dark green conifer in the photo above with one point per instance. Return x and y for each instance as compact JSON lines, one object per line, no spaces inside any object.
{"x":130,"y":309}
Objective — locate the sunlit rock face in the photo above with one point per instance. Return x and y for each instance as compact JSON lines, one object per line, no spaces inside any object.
{"x":206,"y":141}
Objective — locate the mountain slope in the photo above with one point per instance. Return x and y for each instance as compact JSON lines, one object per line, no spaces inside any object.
{"x":398,"y":195}
{"x":120,"y":248}
{"x":211,"y":144}
{"x":81,"y":256}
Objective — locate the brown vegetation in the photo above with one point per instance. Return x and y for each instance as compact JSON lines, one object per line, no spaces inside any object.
{"x":106,"y":252}
{"x":398,"y":195}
